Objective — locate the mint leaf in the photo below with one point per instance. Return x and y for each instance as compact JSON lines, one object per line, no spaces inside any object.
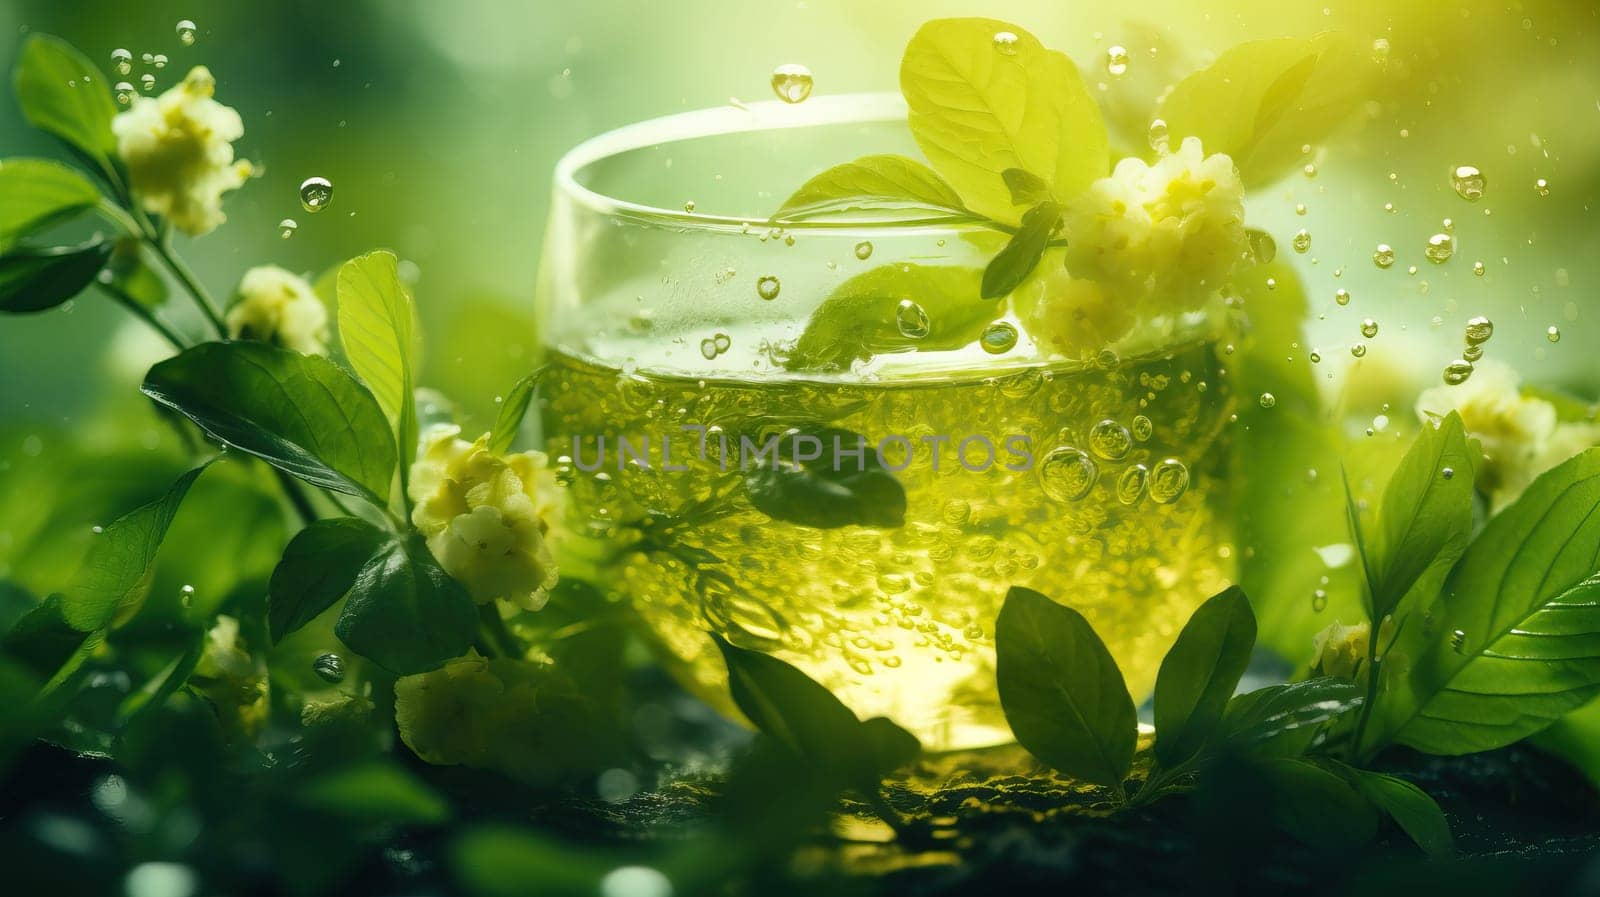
{"x":1426,"y":518}
{"x":830,"y":491}
{"x":300,"y":413}
{"x":876,"y":177}
{"x":1027,"y":188}
{"x":862,"y":317}
{"x":61,"y":92}
{"x":35,"y":193}
{"x":1315,"y":806}
{"x":978,"y":109}
{"x":1283,"y":720}
{"x":115,"y":576}
{"x":1012,"y":265}
{"x":1199,"y":674}
{"x":38,"y":279}
{"x":375,"y":328}
{"x":1409,"y":806}
{"x":1510,"y":646}
{"x":1062,"y":693}
{"x":318,"y":568}
{"x":405,"y":613}
{"x":512,"y":409}
{"x":1261,"y":101}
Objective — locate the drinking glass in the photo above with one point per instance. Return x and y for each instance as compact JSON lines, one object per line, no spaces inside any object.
{"x":671,"y":309}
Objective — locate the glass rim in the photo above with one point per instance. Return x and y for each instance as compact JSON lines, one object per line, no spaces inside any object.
{"x":769,"y":115}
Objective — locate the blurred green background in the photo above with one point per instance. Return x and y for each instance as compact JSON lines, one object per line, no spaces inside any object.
{"x":439,"y":124}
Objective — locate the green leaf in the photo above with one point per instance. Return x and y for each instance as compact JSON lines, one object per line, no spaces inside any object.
{"x":1012,"y":265}
{"x":890,"y":746}
{"x":35,"y":193}
{"x":976,"y":111}
{"x":1576,"y":739}
{"x":829,"y":491}
{"x":1316,"y":806}
{"x":41,"y":639}
{"x":375,"y":327}
{"x":300,"y":413}
{"x":1199,"y":674}
{"x":318,"y":568}
{"x":1061,"y":691}
{"x":501,"y":861}
{"x":792,"y":709}
{"x":876,"y":177}
{"x":405,"y":613}
{"x":1513,"y":643}
{"x":132,"y":277}
{"x":115,"y":575}
{"x":512,"y":409}
{"x":1261,"y":101}
{"x":61,"y":92}
{"x":1027,"y":188}
{"x":860,"y":318}
{"x":40,"y":279}
{"x":1409,"y":806}
{"x":374,"y":792}
{"x":1283,"y":720}
{"x":1426,"y":517}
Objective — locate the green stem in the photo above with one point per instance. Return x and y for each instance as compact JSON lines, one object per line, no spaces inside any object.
{"x":495,"y":633}
{"x":297,"y":497}
{"x":163,"y":248}
{"x":144,"y":314}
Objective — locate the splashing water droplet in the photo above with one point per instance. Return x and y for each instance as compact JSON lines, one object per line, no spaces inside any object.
{"x":767,"y":287}
{"x":315,"y":194}
{"x":688,"y":205}
{"x":186,"y":31}
{"x":287,"y":227}
{"x":864,"y":250}
{"x":1468,"y":182}
{"x":1457,"y":372}
{"x":1262,"y":247}
{"x":329,"y":668}
{"x":1268,"y":400}
{"x":1067,"y":474}
{"x":1440,"y":247}
{"x":1458,"y":641}
{"x":1158,"y":135}
{"x":1383,"y":256}
{"x":1341,"y":296}
{"x":1110,"y":440}
{"x":792,"y":82}
{"x":1369,"y":328}
{"x":1319,"y":600}
{"x":1168,"y":481}
{"x":1131,"y":483}
{"x":1005,"y":43}
{"x":1143,"y":429}
{"x":998,"y":338}
{"x":1117,"y":61}
{"x":121,"y":61}
{"x":1302,"y":240}
{"x":159,"y":60}
{"x":1359,"y":350}
{"x":123,"y":92}
{"x":147,"y":81}
{"x":1316,"y":357}
{"x":1553,"y":334}
{"x":186,"y":595}
{"x":1479,"y":330}
{"x":708,"y":349}
{"x":1448,"y":473}
{"x":912,"y":320}
{"x":1541,"y":187}
{"x":1477,"y":269}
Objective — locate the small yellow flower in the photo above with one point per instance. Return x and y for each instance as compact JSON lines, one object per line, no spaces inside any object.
{"x":178,"y":148}
{"x":229,"y":677}
{"x":1169,"y":233}
{"x":339,"y":708}
{"x":278,"y":307}
{"x":486,"y":517}
{"x":1341,"y":651}
{"x":1076,"y":318}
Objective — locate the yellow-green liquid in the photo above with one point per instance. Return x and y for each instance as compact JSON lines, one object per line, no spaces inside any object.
{"x":899,"y":621}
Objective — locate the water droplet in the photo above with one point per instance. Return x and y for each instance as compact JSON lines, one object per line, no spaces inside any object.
{"x":147,"y":81}
{"x":1468,"y":182}
{"x":186,"y":32}
{"x":1168,"y":481}
{"x":998,"y":337}
{"x":1299,"y":208}
{"x":708,"y":348}
{"x":315,"y":194}
{"x":287,"y":227}
{"x":767,"y":287}
{"x":329,"y":668}
{"x":1067,"y":474}
{"x":1158,"y":135}
{"x":722,"y":341}
{"x":1369,"y":328}
{"x":1005,"y":43}
{"x":792,"y":82}
{"x":1440,"y":247}
{"x":1341,"y":296}
{"x":121,"y":61}
{"x":1143,"y":429}
{"x":1541,"y":187}
{"x":1117,"y":61}
{"x":1383,"y":256}
{"x":159,"y":60}
{"x":1458,"y":642}
{"x":1310,"y":170}
{"x":186,"y":595}
{"x":1359,"y":350}
{"x":1477,"y":269}
{"x":1268,"y":400}
{"x":1479,"y":330}
{"x":1131,"y":483}
{"x":1319,"y":600}
{"x":1110,"y":440}
{"x":1302,"y":240}
{"x":688,"y":205}
{"x":1448,"y":473}
{"x":1553,"y":334}
{"x":1457,"y":372}
{"x":1316,"y":357}
{"x":864,"y":250}
{"x":912,"y":319}
{"x":123,"y":92}
{"x":1262,"y":247}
